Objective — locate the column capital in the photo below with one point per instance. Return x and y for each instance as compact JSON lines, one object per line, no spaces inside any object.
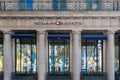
{"x":76,"y":32}
{"x":41,"y":32}
{"x":7,"y":32}
{"x":110,"y":32}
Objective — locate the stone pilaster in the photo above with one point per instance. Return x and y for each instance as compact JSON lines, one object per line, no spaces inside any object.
{"x":76,"y":55}
{"x":110,"y":55}
{"x":7,"y":55}
{"x":41,"y":59}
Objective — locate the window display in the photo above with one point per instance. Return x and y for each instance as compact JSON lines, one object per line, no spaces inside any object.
{"x":59,"y":56}
{"x":25,"y":56}
{"x":117,"y":53}
{"x":92,"y":51}
{"x":1,"y":57}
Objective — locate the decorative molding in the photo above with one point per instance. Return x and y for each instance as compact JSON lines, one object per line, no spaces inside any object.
{"x":38,"y":23}
{"x":7,"y":32}
{"x":111,"y":32}
{"x":76,"y":31}
{"x":41,"y":32}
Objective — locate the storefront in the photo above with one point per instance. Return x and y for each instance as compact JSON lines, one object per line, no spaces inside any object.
{"x":25,"y":54}
{"x":37,"y":45}
{"x":92,"y":52}
{"x":59,"y":53}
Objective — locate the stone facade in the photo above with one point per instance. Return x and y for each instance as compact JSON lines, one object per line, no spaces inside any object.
{"x":68,"y":20}
{"x":73,"y":21}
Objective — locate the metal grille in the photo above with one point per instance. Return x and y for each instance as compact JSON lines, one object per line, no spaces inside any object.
{"x":70,"y":6}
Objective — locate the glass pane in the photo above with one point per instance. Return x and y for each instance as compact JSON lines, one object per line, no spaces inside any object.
{"x":59,"y":5}
{"x":93,"y":4}
{"x":84,"y":59}
{"x":66,"y":52}
{"x":26,"y":58}
{"x":26,"y":5}
{"x":99,"y":56}
{"x":91,"y":51}
{"x":51,"y":57}
{"x":18,"y":55}
{"x":1,"y":57}
{"x":117,"y":45}
{"x":116,"y":58}
{"x":33,"y":60}
{"x":58,"y":56}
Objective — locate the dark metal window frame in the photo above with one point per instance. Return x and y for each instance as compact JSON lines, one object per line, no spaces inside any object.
{"x":96,"y":41}
{"x":64,"y":56}
{"x":16,"y":72}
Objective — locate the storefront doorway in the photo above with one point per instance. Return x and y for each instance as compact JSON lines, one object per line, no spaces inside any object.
{"x":92,"y":52}
{"x":59,"y":53}
{"x":25,"y":53}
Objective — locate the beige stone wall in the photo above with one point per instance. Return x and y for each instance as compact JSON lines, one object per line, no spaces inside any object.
{"x":67,"y":23}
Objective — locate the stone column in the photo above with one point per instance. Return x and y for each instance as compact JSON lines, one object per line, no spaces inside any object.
{"x":110,"y":56}
{"x":76,"y":55}
{"x":41,"y":65}
{"x":7,"y":56}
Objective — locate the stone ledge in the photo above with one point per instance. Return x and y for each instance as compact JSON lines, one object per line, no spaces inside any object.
{"x":60,"y":14}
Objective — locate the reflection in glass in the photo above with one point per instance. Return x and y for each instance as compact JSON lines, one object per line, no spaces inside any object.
{"x":26,"y":4}
{"x":59,"y":5}
{"x":25,"y":56}
{"x":1,"y":57}
{"x":117,"y":52}
{"x":58,"y":56}
{"x":93,"y":4}
{"x":92,"y":56}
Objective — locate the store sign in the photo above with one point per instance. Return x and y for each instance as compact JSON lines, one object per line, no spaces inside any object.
{"x":57,"y":23}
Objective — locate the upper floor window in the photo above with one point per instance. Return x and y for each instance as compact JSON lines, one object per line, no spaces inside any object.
{"x":93,"y":5}
{"x":26,"y":5}
{"x":59,"y":5}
